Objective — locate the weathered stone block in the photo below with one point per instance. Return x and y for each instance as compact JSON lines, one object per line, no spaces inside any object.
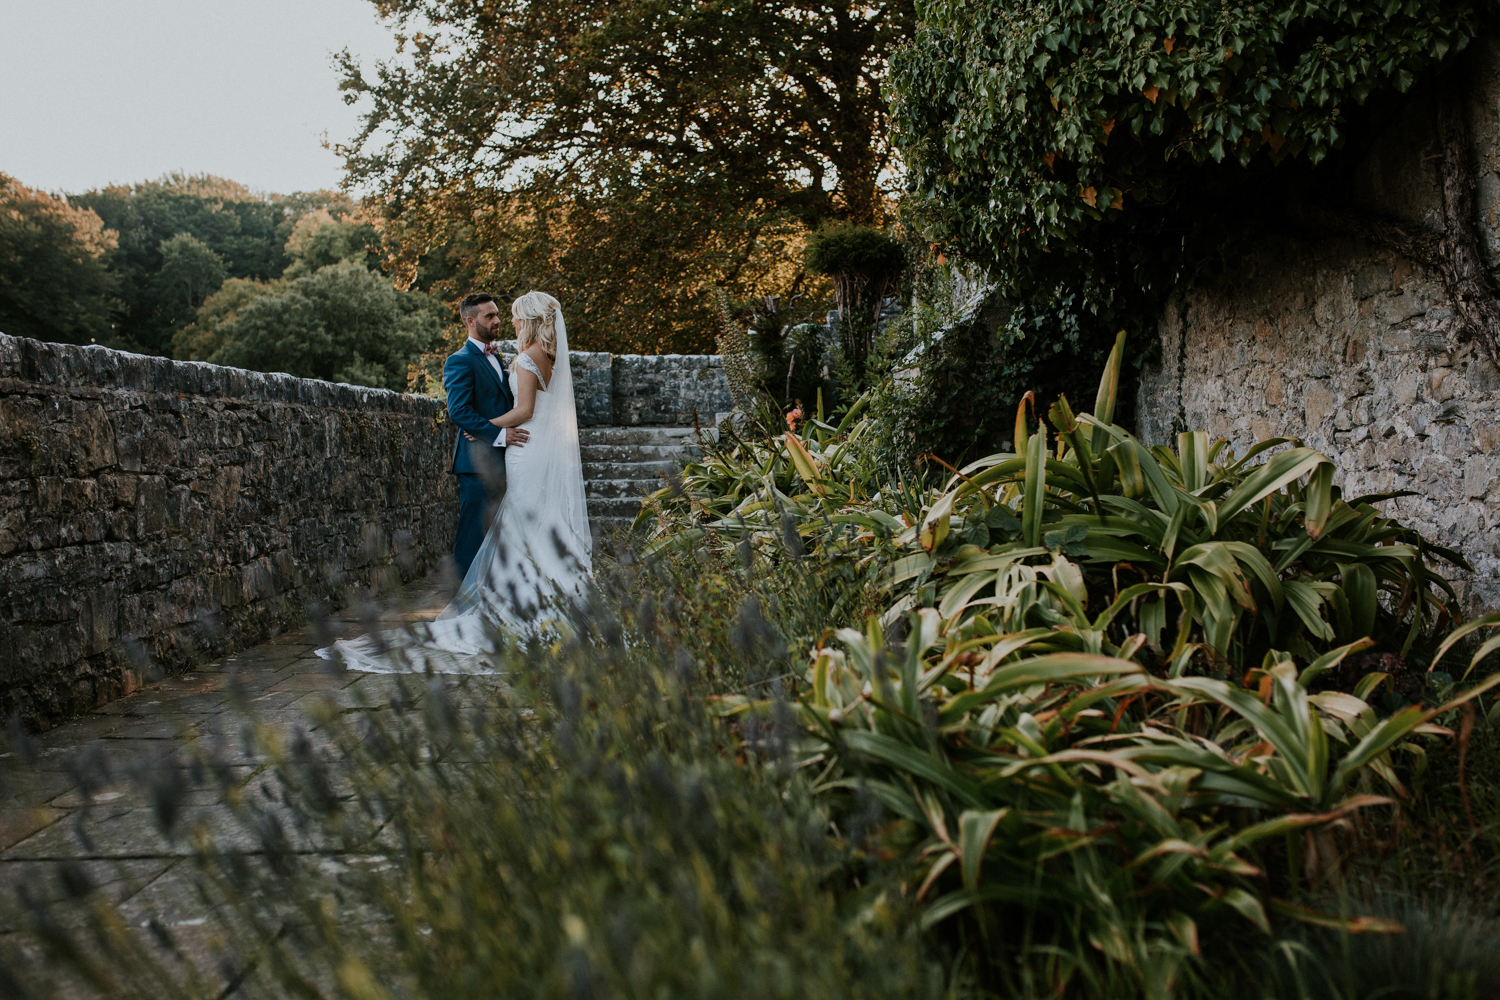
{"x":1372,"y":280}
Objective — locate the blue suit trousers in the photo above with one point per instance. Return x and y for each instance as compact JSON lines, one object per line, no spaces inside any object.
{"x":475,"y":510}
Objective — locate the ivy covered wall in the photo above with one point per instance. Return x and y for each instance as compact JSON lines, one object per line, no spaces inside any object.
{"x":1358,"y":349}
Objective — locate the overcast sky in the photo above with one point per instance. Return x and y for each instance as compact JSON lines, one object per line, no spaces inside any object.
{"x":100,"y":91}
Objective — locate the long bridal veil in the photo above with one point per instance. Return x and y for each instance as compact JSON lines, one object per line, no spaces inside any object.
{"x":539,"y":546}
{"x":535,"y":562}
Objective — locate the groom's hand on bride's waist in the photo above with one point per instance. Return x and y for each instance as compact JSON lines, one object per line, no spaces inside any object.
{"x":515,"y":437}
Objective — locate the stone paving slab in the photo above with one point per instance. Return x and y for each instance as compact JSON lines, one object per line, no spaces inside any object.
{"x":46,"y":881}
{"x":71,"y":806}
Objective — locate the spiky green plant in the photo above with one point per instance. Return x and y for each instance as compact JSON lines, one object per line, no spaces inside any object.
{"x":1106,"y":725}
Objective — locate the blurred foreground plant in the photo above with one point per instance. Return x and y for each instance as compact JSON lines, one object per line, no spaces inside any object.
{"x":573,"y":828}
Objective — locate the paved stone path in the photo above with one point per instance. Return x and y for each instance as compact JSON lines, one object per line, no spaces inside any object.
{"x":47,"y":818}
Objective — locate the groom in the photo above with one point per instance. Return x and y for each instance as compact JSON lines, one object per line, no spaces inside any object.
{"x":478,"y":389}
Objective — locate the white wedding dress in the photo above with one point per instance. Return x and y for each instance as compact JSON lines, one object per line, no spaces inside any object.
{"x":536,"y":559}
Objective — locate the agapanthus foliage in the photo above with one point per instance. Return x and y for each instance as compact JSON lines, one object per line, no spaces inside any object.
{"x":1116,"y":697}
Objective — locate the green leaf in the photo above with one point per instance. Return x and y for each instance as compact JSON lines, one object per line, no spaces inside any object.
{"x":1282,"y":469}
{"x":1359,"y":590}
{"x":1306,"y":601}
{"x":1132,"y":476}
{"x":1319,"y":499}
{"x":918,"y":763}
{"x":1467,"y":628}
{"x":1219,"y":559}
{"x":895,"y":798}
{"x":954,"y":600}
{"x":1248,"y":907}
{"x":1055,"y":668}
{"x":955,"y":902}
{"x":1192,"y":447}
{"x":1035,"y":489}
{"x":1332,"y":921}
{"x":1331,"y":659}
{"x":1279,"y":731}
{"x":974,"y":831}
{"x":1109,"y":391}
{"x":1156,"y":480}
{"x":1251,"y":557}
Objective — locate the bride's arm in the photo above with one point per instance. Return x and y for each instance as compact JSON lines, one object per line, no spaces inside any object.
{"x":526,"y":387}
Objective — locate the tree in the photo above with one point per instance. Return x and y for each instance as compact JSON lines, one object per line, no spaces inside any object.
{"x":865,"y":266}
{"x":320,"y":238}
{"x":190,"y":272}
{"x":636,"y":152}
{"x":1055,"y":139}
{"x":343,"y":323}
{"x":55,"y":282}
{"x":247,"y":232}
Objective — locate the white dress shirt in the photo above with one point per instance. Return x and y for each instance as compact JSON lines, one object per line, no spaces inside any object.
{"x":494,"y":360}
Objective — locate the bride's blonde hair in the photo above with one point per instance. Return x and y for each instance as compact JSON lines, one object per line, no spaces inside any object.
{"x":539,"y":311}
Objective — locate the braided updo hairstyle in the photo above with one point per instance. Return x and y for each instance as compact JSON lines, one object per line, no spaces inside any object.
{"x":538,"y":311}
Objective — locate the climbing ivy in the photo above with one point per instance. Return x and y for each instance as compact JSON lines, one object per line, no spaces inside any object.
{"x":1093,"y":155}
{"x":1051,"y":127}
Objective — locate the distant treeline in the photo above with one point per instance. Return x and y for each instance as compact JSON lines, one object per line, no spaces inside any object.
{"x":202,"y":268}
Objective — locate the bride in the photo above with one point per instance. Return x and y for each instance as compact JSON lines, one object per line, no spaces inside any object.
{"x":538,"y":554}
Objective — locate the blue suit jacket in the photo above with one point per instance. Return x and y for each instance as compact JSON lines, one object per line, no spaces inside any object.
{"x":475,"y":394}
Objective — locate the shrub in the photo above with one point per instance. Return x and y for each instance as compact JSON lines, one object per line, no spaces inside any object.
{"x":343,"y":323}
{"x":1097,"y":699}
{"x":573,"y":828}
{"x":865,"y":265}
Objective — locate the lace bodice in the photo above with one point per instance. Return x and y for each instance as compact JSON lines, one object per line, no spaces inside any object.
{"x":524,"y":361}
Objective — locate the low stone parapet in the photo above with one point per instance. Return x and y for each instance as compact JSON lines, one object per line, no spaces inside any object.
{"x":634,"y":390}
{"x":158,"y":511}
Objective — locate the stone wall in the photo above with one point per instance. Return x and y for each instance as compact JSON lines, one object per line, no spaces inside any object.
{"x":1352,"y":352}
{"x":171,"y":510}
{"x":669,"y":389}
{"x":1356,"y":351}
{"x":593,"y":387}
{"x":628,"y":390}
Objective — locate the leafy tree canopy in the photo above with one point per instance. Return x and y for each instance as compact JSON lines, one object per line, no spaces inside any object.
{"x":163,"y":279}
{"x":190,"y":272}
{"x":320,"y":238}
{"x":343,"y":323}
{"x":55,"y":281}
{"x":627,"y":155}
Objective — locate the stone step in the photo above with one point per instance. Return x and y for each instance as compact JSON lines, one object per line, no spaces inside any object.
{"x":638,"y":435}
{"x":595,"y":453}
{"x":608,"y":526}
{"x":623,"y":464}
{"x":626,"y":507}
{"x":621,"y":487}
{"x":653,"y":470}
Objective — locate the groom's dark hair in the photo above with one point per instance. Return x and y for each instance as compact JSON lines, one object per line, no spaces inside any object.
{"x":471,"y":303}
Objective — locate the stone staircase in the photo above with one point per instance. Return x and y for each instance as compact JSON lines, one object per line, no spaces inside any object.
{"x":623,"y":464}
